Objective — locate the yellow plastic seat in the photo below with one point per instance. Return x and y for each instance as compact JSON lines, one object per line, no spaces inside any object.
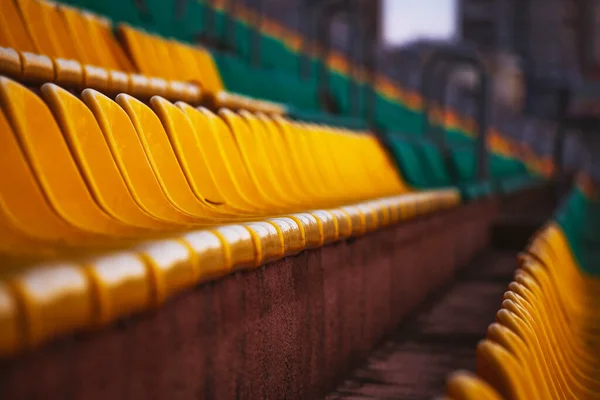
{"x":168,"y":66}
{"x":183,"y":91}
{"x":197,"y":65}
{"x":36,"y":68}
{"x":298,"y":169}
{"x":545,"y":341}
{"x":532,"y":366}
{"x":250,"y":157}
{"x":143,"y":53}
{"x":309,"y":228}
{"x":119,"y":82}
{"x":357,"y":218}
{"x":164,"y":162}
{"x":11,"y":336}
{"x":95,"y":77}
{"x":326,"y":164}
{"x":315,"y":166}
{"x":239,"y":248}
{"x":12,"y":28}
{"x":190,"y":153}
{"x":568,"y":324}
{"x":90,"y":51}
{"x":328,"y":225}
{"x":10,"y":62}
{"x":55,"y":299}
{"x":100,"y":31}
{"x":140,"y":84}
{"x":121,"y":284}
{"x":466,"y":386}
{"x":281,"y":165}
{"x":158,"y":86}
{"x":268,"y":243}
{"x":566,"y":352}
{"x":55,"y":26}
{"x":205,"y":124}
{"x":294,"y":240}
{"x":498,"y":367}
{"x":297,"y":139}
{"x":94,"y":159}
{"x":33,"y":13}
{"x":130,"y":157}
{"x":50,"y":159}
{"x":555,"y":369}
{"x":187,"y":68}
{"x":22,"y":202}
{"x":171,"y":265}
{"x":220,"y":139}
{"x":68,"y":72}
{"x":208,"y":254}
{"x":249,"y":137}
{"x":344,"y":223}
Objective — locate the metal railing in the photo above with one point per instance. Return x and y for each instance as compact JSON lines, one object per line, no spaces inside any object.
{"x":457,"y":55}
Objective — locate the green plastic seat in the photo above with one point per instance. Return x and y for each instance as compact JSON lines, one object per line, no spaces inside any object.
{"x":579,"y":217}
{"x":117,"y":10}
{"x":321,"y":117}
{"x":277,"y":56}
{"x":434,"y":158}
{"x":410,"y":164}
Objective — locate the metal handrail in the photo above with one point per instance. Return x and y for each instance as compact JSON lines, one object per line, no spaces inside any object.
{"x":465,"y":56}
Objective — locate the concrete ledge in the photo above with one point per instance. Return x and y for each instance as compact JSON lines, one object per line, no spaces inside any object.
{"x":289,"y":329}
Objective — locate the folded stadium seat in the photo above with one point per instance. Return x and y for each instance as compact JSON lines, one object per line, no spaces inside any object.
{"x":60,"y":38}
{"x":414,"y":167}
{"x":467,"y":386}
{"x":276,"y":55}
{"x":464,"y":160}
{"x":167,"y":167}
{"x":340,"y":85}
{"x":167,"y":164}
{"x":55,"y":170}
{"x":510,"y":174}
{"x":130,"y":156}
{"x":194,"y":64}
{"x":392,"y":116}
{"x":148,"y":173}
{"x":544,"y":343}
{"x":424,"y":166}
{"x":507,"y":174}
{"x":579,"y":218}
{"x":238,"y":76}
{"x":438,"y":166}
{"x":242,"y":40}
{"x":12,"y":31}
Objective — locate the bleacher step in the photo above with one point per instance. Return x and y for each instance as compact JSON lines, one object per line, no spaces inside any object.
{"x":439,"y":338}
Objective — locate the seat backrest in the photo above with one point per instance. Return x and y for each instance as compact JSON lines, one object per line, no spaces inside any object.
{"x":13,"y":32}
{"x":409,"y":162}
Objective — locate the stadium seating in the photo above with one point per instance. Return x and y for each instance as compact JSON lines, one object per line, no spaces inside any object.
{"x":143,"y":169}
{"x":544,"y":343}
{"x":118,"y":204}
{"x":142,"y":165}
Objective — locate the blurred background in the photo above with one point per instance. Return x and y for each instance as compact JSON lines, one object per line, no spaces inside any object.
{"x":531,"y":47}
